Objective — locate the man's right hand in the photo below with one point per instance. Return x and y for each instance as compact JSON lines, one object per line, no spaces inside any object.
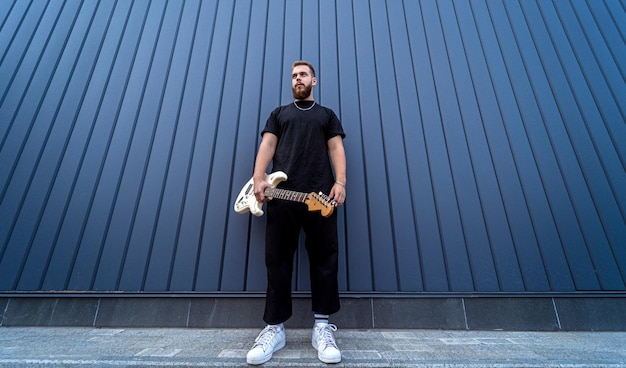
{"x":259,"y":189}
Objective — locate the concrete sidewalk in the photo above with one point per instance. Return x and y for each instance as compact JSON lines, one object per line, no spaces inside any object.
{"x":136,"y":347}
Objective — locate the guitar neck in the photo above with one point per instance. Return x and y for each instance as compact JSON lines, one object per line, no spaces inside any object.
{"x":285,"y":194}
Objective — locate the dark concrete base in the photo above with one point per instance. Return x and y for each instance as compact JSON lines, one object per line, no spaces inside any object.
{"x":454,"y":313}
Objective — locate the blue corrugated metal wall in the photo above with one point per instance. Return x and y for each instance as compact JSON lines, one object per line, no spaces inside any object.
{"x":486,"y":141}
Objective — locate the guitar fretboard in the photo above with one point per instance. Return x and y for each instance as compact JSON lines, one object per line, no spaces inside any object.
{"x":285,"y":194}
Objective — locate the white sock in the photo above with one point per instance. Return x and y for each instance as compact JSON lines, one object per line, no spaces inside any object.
{"x":321,"y":318}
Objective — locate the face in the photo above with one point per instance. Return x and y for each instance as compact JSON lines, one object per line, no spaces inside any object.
{"x":302,"y":82}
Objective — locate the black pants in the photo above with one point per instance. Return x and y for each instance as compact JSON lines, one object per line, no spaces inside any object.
{"x":284,"y":221}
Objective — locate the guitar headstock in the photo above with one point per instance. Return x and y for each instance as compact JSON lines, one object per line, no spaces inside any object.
{"x":320,"y":202}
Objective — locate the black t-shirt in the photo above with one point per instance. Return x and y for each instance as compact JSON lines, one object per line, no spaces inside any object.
{"x":301,"y":151}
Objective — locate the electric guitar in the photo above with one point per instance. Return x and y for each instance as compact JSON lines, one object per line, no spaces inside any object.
{"x":246,"y":201}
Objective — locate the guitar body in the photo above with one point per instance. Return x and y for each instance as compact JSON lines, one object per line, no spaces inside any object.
{"x":246,"y":201}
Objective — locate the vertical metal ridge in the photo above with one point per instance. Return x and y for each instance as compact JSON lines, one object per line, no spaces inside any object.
{"x":81,"y":162}
{"x":328,"y":21}
{"x":150,"y":148}
{"x":105,"y":155}
{"x":488,"y":151}
{"x":386,"y":144}
{"x":435,"y":273}
{"x":370,"y":225}
{"x":214,"y":153}
{"x":559,"y":200}
{"x":598,"y":182}
{"x":107,"y":229}
{"x":283,"y":42}
{"x":531,"y":173}
{"x":359,"y":110}
{"x":218,"y":59}
{"x":438,"y":138}
{"x":204,"y":87}
{"x":65,"y":143}
{"x":481,"y":35}
{"x":18,"y":107}
{"x":165,"y":175}
{"x":136,"y":121}
{"x":556,"y":144}
{"x":188,"y":169}
{"x":383,"y":145}
{"x":511,"y":280}
{"x":3,"y":21}
{"x":257,"y":127}
{"x":607,"y":66}
{"x":401,"y":51}
{"x":25,"y":141}
{"x":7,"y":49}
{"x":616,"y":31}
{"x":594,"y":47}
{"x":455,"y":174}
{"x":480,"y":257}
{"x":232,"y":190}
{"x":583,"y":158}
{"x":521,"y":89}
{"x":588,"y":80}
{"x":5,"y":242}
{"x":412,"y":183}
{"x":233,"y":185}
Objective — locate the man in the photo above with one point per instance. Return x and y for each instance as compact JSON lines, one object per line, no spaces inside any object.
{"x":304,"y":140}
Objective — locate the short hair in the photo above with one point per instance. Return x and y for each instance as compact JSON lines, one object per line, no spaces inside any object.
{"x":302,"y":62}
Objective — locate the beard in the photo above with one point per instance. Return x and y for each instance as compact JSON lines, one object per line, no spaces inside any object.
{"x":301,"y":93}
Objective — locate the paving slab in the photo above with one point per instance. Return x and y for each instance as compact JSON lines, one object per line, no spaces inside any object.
{"x":172,"y":347}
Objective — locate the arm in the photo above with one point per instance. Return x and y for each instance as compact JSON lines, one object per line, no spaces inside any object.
{"x":338,"y":159}
{"x":262,"y":162}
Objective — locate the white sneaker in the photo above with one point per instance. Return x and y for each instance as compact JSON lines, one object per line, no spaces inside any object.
{"x":271,"y":339}
{"x":323,"y":341}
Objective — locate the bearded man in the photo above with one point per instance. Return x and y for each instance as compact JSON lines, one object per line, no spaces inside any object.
{"x":304,"y":140}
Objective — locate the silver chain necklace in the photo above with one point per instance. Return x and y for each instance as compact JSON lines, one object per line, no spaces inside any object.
{"x":301,"y":109}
